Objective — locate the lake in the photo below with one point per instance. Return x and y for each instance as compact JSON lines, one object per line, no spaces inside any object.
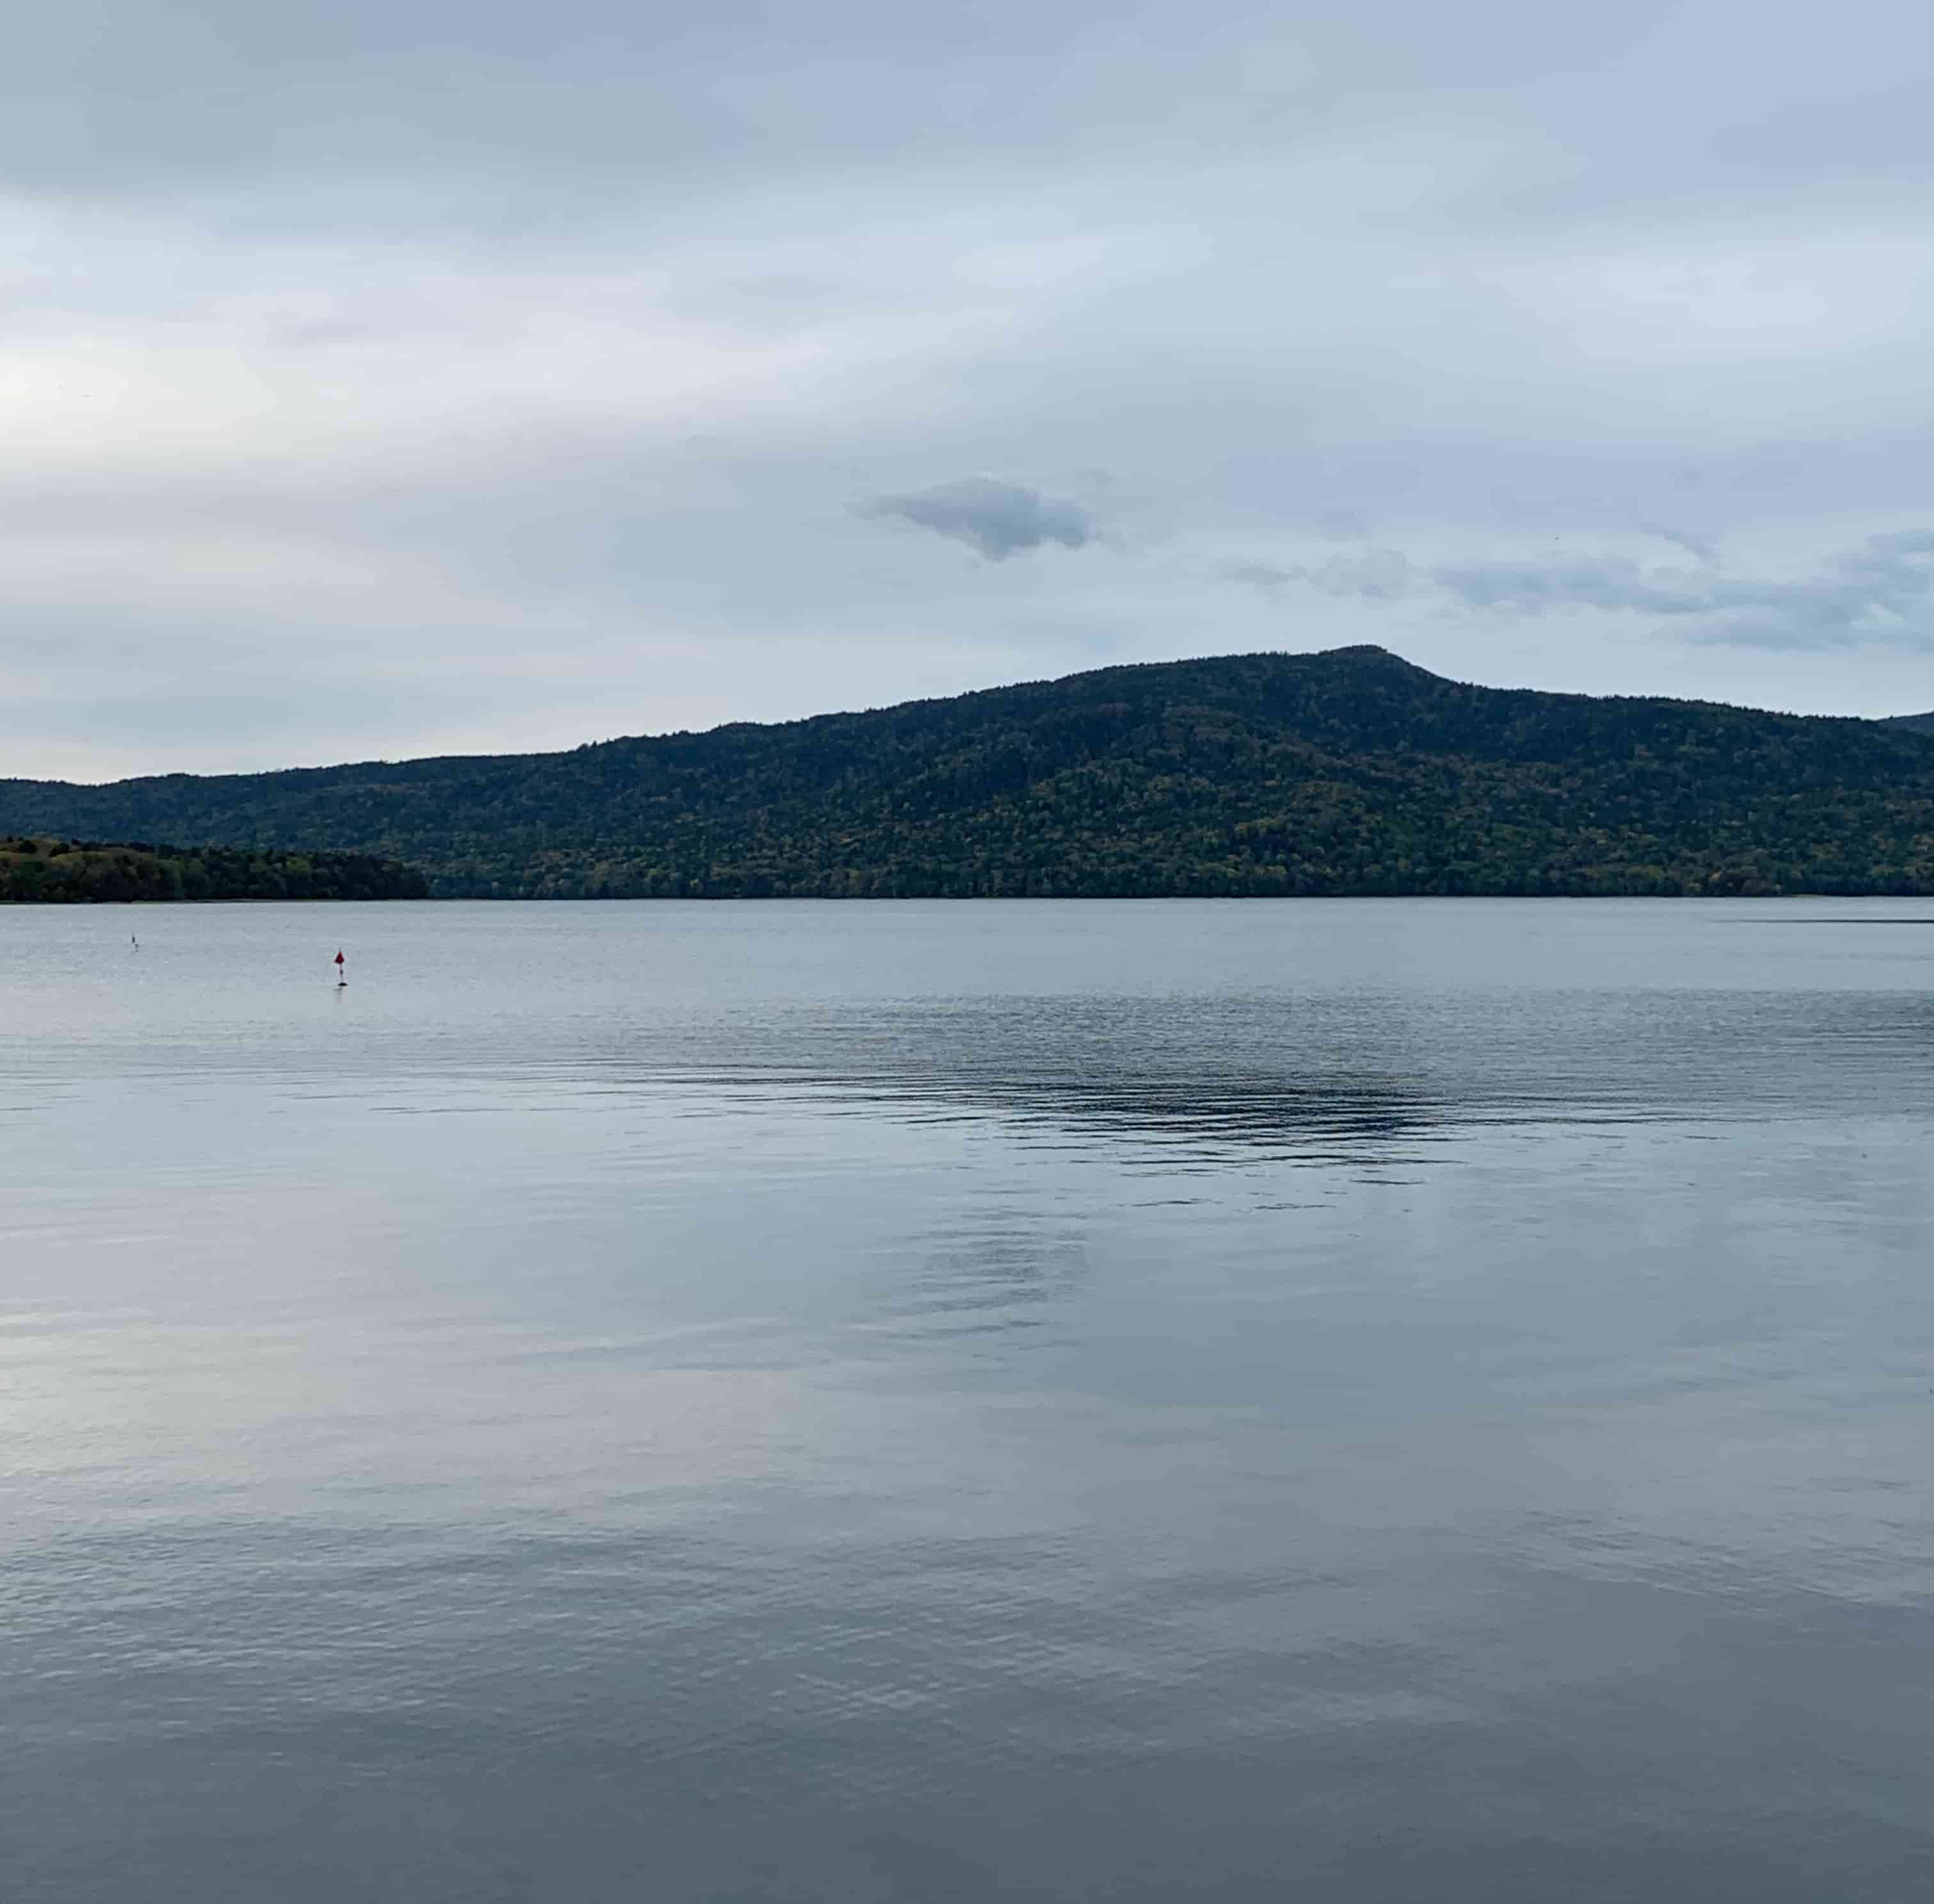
{"x":1407,"y":1400}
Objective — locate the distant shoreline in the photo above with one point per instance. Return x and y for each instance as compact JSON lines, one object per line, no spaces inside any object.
{"x":37,"y":870}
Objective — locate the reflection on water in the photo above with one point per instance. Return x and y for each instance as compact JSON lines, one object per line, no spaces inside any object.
{"x":1326,"y":1077}
{"x":1399,"y":1402}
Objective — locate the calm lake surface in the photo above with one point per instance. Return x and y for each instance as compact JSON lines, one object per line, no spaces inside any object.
{"x":1396,"y":1400}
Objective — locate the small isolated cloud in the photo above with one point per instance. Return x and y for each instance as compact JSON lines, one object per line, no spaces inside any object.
{"x":998,"y":519}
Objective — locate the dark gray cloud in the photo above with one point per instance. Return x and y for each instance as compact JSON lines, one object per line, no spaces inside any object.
{"x":998,"y":519}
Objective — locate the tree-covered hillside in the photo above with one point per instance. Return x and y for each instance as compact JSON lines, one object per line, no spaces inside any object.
{"x":1348,"y":771}
{"x":60,"y":871}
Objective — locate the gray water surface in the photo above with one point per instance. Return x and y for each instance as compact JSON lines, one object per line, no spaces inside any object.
{"x":1395,"y":1400}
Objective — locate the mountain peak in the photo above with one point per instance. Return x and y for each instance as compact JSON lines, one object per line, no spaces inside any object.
{"x":1370,"y":653}
{"x":1350,"y":770}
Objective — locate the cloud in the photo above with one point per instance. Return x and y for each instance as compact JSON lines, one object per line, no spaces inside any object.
{"x":1264,"y":575}
{"x":1880,"y":592}
{"x":998,"y":519}
{"x":1375,"y":575}
{"x":457,"y":354}
{"x":1701,"y":548}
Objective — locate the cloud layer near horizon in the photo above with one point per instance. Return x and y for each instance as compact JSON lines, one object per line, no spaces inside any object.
{"x":380,"y":381}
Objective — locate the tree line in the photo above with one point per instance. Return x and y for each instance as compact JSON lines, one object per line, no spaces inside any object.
{"x":69,"y":872}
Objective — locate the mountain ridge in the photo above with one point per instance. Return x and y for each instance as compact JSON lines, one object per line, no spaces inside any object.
{"x":1351,"y":769}
{"x":1358,"y":650}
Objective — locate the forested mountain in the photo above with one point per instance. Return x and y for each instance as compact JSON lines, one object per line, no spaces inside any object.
{"x":64,"y":872}
{"x":1923,"y":723}
{"x":1347,"y":771}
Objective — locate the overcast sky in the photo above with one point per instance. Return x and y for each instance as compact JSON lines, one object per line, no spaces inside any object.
{"x":387,"y":377}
